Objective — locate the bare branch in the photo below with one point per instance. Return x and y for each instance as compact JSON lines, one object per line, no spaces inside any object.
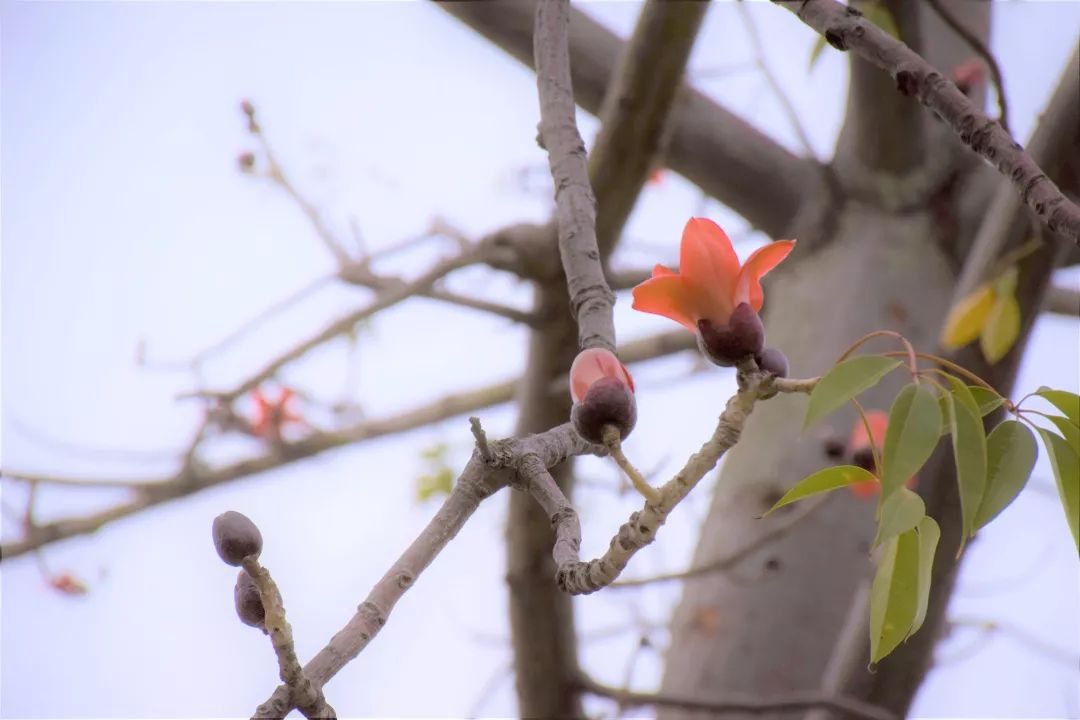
{"x":730,"y":560}
{"x":477,"y":482}
{"x":846,"y":29}
{"x":306,"y":696}
{"x":721,"y":153}
{"x":585,"y":577}
{"x":849,"y":707}
{"x":151,"y":492}
{"x":591,"y":300}
{"x":983,"y":52}
{"x":1063,"y":301}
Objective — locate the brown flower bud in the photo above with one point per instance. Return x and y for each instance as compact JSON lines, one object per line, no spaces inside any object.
{"x":609,"y":401}
{"x":772,"y":361}
{"x":726,"y":345}
{"x":864,"y":458}
{"x":246,"y":161}
{"x":236,"y":537}
{"x":247,"y":107}
{"x":249,"y":605}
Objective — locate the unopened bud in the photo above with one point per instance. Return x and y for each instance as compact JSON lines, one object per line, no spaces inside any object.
{"x":236,"y":537}
{"x":249,"y":605}
{"x":726,"y":345}
{"x":608,"y":401}
{"x":772,"y":361}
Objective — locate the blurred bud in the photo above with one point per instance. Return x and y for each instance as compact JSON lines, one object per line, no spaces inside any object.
{"x":772,"y":361}
{"x":864,"y":458}
{"x":834,"y":449}
{"x":609,"y":401}
{"x":247,"y":107}
{"x":249,"y":605}
{"x":236,"y":537}
{"x":246,"y":161}
{"x":726,"y":345}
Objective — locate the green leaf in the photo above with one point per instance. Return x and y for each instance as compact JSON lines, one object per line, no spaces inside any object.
{"x":1066,"y":402}
{"x":1001,"y":329}
{"x":894,"y":595}
{"x":988,"y":400}
{"x":969,"y":454}
{"x":823,"y":481}
{"x":900,"y":512}
{"x":929,"y":534}
{"x":1066,"y":464}
{"x":914,"y":430}
{"x":1010,"y":456}
{"x":1070,"y":432}
{"x":844,"y":381}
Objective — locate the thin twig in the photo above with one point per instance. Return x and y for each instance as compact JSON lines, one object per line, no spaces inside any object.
{"x":785,"y":102}
{"x":983,"y":52}
{"x":732,"y":704}
{"x":732,"y":559}
{"x":614,"y":445}
{"x":481,"y":439}
{"x":306,"y":696}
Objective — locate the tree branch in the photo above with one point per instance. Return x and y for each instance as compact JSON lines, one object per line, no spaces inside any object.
{"x":478,"y":481}
{"x":716,"y":150}
{"x":151,"y":492}
{"x":1063,"y":301}
{"x":591,"y":300}
{"x":307,"y":697}
{"x":846,"y":29}
{"x":640,"y":530}
{"x":847,"y":706}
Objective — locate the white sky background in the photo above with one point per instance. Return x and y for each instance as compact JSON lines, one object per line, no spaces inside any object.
{"x":126,"y":220}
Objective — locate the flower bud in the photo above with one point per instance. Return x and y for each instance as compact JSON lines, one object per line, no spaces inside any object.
{"x":236,"y":537}
{"x":608,"y":401}
{"x":864,"y":458}
{"x":246,"y":161}
{"x":772,"y":361}
{"x":249,"y":605}
{"x":726,"y":345}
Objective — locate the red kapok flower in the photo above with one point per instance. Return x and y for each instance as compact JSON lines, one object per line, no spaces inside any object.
{"x":68,"y":584}
{"x":710,"y":283}
{"x":593,"y":364}
{"x":271,"y":415}
{"x":603,"y":394}
{"x":861,"y":451}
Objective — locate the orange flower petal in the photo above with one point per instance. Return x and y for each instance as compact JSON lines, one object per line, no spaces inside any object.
{"x":865,"y":490}
{"x":594,"y":364}
{"x":760,"y":262}
{"x":710,"y":267}
{"x":662,"y":270}
{"x":669,"y":296}
{"x":879,"y":423}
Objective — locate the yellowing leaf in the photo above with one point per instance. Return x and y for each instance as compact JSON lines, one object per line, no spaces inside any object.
{"x":967,"y":317}
{"x":1001,"y":329}
{"x":824,"y":481}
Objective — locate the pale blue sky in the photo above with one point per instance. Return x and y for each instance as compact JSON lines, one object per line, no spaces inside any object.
{"x":125,"y":221}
